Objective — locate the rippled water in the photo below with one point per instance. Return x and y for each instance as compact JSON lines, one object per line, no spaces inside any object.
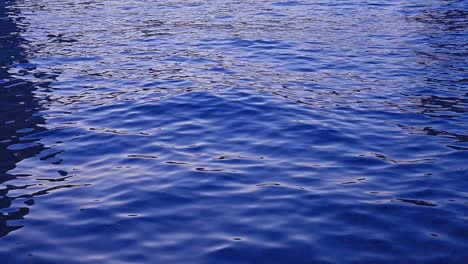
{"x":233,"y":131}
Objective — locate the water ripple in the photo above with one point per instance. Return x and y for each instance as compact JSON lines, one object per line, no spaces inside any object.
{"x":233,"y":132}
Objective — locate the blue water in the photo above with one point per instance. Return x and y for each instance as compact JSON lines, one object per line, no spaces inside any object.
{"x":183,"y":131}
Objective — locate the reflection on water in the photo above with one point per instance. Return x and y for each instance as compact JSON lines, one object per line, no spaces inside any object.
{"x":233,"y":132}
{"x":443,"y":95}
{"x":18,"y":119}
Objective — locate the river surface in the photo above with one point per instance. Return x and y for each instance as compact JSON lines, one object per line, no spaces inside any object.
{"x":222,"y":131}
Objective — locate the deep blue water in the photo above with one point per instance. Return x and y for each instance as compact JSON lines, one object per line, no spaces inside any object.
{"x":269,"y":131}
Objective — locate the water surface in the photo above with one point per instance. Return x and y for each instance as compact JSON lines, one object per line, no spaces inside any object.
{"x":233,"y":131}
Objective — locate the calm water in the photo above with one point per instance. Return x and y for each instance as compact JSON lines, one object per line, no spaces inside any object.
{"x":221,"y":131}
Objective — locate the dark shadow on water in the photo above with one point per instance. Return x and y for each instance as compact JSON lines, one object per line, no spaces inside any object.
{"x":19,"y":117}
